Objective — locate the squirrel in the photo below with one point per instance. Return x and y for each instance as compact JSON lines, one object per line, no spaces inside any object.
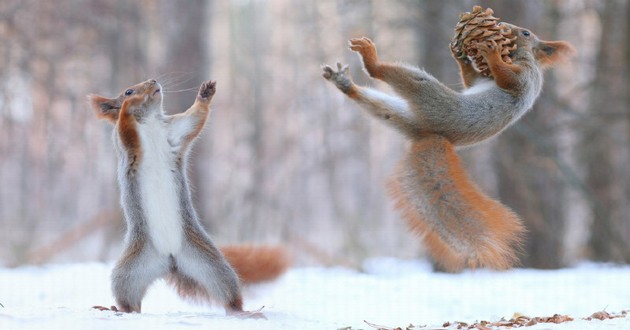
{"x":165,"y":238}
{"x":460,"y":225}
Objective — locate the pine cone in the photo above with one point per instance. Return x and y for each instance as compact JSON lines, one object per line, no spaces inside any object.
{"x":480,"y":26}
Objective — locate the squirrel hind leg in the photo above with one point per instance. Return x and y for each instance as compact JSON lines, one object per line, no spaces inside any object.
{"x":203,"y":274}
{"x":133,"y":274}
{"x":186,"y":287}
{"x":205,"y":282}
{"x":460,"y":224}
{"x":442,"y":253}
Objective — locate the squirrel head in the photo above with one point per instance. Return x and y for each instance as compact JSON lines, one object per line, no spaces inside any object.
{"x":546,"y":53}
{"x":150,"y":92}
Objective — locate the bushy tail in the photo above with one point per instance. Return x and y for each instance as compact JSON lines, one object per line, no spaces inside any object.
{"x":460,"y":224}
{"x":256,"y":263}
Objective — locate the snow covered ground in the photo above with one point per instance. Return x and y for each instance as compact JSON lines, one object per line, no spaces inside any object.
{"x":390,"y":292}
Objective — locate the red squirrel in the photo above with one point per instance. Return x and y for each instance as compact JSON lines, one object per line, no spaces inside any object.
{"x":164,"y":236}
{"x":460,"y":225}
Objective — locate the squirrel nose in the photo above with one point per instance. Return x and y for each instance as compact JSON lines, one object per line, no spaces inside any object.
{"x":152,"y":81}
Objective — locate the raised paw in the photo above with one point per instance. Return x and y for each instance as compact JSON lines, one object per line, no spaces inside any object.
{"x":366,"y":48}
{"x":458,"y":54}
{"x":207,"y":90}
{"x":340,"y":77}
{"x":363,"y":46}
{"x":488,"y":48}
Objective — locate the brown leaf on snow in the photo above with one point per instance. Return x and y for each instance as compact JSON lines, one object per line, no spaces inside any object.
{"x":517,"y":321}
{"x":560,"y":318}
{"x":602,"y":315}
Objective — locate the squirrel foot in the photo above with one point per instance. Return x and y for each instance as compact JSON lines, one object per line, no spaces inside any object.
{"x":488,"y":49}
{"x":256,"y":315}
{"x":459,"y":56}
{"x":340,"y":77}
{"x":103,"y":308}
{"x":366,"y":48}
{"x":207,"y":90}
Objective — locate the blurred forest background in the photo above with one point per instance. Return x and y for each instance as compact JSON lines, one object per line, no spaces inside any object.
{"x":286,"y":158}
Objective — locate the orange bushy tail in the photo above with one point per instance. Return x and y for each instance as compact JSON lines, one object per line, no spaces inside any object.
{"x":460,"y":224}
{"x":255,"y":264}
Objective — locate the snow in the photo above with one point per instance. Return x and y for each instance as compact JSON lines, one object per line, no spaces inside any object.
{"x":389,"y":292}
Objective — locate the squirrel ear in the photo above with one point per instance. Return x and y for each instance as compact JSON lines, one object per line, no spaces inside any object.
{"x":104,"y":108}
{"x":550,"y":53}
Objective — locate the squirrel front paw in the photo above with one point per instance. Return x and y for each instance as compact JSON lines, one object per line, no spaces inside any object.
{"x":458,"y":54}
{"x":207,"y":90}
{"x":341,"y":77}
{"x":488,"y":49}
{"x":365,"y":47}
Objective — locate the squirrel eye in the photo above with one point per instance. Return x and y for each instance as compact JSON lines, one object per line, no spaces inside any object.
{"x":526,"y":33}
{"x":129,"y":92}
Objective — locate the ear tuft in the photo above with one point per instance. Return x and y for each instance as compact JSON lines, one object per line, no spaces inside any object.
{"x":550,"y":53}
{"x":104,"y":108}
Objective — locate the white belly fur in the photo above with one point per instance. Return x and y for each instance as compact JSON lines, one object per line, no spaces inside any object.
{"x":158,"y":190}
{"x":480,"y":87}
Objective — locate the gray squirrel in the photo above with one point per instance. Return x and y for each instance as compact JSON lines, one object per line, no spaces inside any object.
{"x":460,"y":225}
{"x":164,"y":236}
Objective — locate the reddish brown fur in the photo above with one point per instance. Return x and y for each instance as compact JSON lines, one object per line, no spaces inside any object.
{"x":108,"y":109}
{"x":467,"y":72}
{"x":188,"y":288}
{"x":505,"y":75}
{"x":255,"y":264}
{"x":132,"y":251}
{"x":490,"y":241}
{"x":196,"y":238}
{"x":374,"y":67}
{"x":97,"y":103}
{"x":461,"y":225}
{"x":560,"y":52}
{"x":128,"y":130}
{"x":370,"y":57}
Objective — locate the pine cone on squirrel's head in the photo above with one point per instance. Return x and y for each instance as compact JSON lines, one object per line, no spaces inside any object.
{"x":480,"y":26}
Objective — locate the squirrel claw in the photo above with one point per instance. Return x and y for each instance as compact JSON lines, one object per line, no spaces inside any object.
{"x":486,"y":49}
{"x":366,"y":48}
{"x":342,"y":68}
{"x":103,"y":308}
{"x":330,"y":73}
{"x":340,"y":77}
{"x":256,"y":315}
{"x":207,"y":89}
{"x":361,"y":45}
